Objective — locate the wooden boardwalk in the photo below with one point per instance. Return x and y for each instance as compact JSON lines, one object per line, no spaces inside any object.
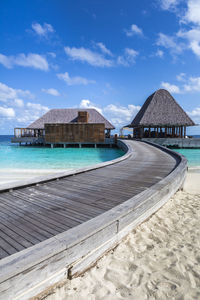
{"x":33,"y":214}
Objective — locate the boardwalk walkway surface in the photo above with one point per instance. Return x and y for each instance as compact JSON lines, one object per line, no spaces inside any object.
{"x":33,"y":214}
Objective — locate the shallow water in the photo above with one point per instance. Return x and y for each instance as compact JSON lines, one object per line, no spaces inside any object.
{"x":192,"y":155}
{"x":13,"y":156}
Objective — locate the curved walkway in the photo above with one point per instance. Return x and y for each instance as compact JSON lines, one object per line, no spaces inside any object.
{"x":30,"y":215}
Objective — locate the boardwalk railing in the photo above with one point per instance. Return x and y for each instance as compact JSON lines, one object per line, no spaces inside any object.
{"x":41,"y":267}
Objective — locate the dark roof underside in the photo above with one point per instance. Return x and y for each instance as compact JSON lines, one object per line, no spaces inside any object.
{"x":69,"y":116}
{"x":161,"y":109}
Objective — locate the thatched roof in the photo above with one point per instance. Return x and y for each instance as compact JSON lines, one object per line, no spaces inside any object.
{"x":69,"y":116}
{"x":161,"y":109}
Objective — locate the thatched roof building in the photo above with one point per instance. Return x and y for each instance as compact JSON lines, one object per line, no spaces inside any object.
{"x":63,"y":116}
{"x":65,"y":126}
{"x":159,"y":111}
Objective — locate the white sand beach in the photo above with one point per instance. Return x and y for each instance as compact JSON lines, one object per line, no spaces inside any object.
{"x":14,"y":175}
{"x":158,"y":260}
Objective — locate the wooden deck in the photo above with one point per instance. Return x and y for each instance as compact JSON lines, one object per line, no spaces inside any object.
{"x":33,"y":214}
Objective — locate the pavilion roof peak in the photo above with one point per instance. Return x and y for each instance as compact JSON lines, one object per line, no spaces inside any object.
{"x":161,"y":109}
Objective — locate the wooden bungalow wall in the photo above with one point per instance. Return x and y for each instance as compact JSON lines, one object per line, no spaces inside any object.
{"x":75,"y":133}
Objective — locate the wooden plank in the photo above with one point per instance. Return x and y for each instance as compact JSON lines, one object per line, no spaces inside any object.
{"x":53,"y":207}
{"x":45,"y":227}
{"x":36,"y":213}
{"x":15,"y":236}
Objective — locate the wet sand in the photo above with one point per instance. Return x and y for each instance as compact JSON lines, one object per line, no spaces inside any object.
{"x":158,"y":260}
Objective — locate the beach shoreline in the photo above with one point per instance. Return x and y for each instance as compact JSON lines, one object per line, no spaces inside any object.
{"x":15,"y":175}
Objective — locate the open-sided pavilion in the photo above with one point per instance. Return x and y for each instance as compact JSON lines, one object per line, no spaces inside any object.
{"x":160,"y":117}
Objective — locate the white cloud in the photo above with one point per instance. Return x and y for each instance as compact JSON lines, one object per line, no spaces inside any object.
{"x":15,"y":108}
{"x":51,"y":91}
{"x":32,"y":60}
{"x":30,"y":113}
{"x":185,"y":38}
{"x":77,"y":80}
{"x":86,"y":55}
{"x":42,"y":30}
{"x":168,"y":4}
{"x":195,"y":115}
{"x":193,"y":38}
{"x":181,"y":77}
{"x":128,"y":57}
{"x":117,"y":114}
{"x":8,"y":93}
{"x":6,"y":61}
{"x":159,"y":53}
{"x":131,"y":54}
{"x":52,"y":54}
{"x":126,"y":113}
{"x":85,"y":103}
{"x":38,"y":107}
{"x":7,"y":112}
{"x":134,"y":30}
{"x":193,"y":12}
{"x":195,"y":112}
{"x":104,"y":49}
{"x":172,"y":88}
{"x":19,"y":102}
{"x":170,"y":42}
{"x":195,"y":46}
{"x":193,"y":84}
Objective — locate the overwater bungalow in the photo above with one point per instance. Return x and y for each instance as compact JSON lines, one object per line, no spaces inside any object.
{"x":66,"y":126}
{"x":160,"y":117}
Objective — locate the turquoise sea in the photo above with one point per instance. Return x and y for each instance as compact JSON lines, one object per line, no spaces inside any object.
{"x":192,"y":155}
{"x":13,"y":156}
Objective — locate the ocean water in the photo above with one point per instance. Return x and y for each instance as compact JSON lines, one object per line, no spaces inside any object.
{"x":13,"y":156}
{"x":192,"y":155}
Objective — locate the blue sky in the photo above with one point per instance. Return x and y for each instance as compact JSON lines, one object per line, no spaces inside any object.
{"x":110,"y":55}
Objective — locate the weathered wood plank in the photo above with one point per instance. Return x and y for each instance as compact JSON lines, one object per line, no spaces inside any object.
{"x":47,"y":209}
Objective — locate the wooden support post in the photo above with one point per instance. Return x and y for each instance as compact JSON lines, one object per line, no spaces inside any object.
{"x":142,"y":132}
{"x":64,"y":145}
{"x":52,"y":146}
{"x":165,"y":131}
{"x":181,"y":131}
{"x":95,"y":145}
{"x":184,"y":132}
{"x":173,"y":131}
{"x":149,"y":132}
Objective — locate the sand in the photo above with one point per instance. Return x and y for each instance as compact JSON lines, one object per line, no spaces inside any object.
{"x":192,"y":183}
{"x":14,"y":175}
{"x":158,"y":260}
